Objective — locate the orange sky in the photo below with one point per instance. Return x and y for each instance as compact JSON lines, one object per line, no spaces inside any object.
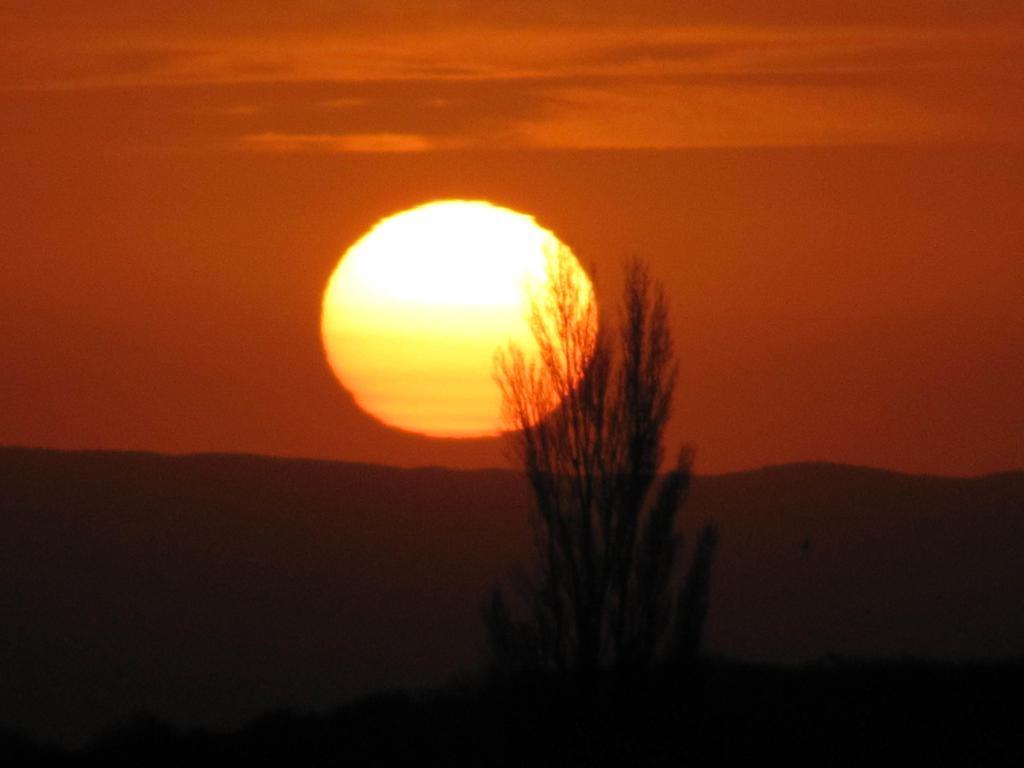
{"x":833,"y":199}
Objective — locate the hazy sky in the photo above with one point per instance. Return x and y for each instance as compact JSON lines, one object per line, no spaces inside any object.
{"x":832,"y":193}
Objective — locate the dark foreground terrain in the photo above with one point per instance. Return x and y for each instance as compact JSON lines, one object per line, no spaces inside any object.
{"x":209,"y":589}
{"x":828,"y":714}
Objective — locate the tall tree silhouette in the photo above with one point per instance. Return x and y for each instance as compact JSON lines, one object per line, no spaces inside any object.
{"x":586,"y":424}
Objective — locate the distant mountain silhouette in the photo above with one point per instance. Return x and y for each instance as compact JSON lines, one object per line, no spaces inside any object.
{"x":207,"y":589}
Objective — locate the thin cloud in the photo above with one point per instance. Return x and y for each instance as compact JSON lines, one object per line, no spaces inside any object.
{"x":345,"y":102}
{"x":333,"y":143}
{"x":671,"y":116}
{"x":496,"y":54}
{"x":549,"y":86}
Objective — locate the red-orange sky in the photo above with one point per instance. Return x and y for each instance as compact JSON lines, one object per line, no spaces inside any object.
{"x":832,"y":193}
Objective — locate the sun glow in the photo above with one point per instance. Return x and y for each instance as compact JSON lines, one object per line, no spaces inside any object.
{"x":416,"y":309}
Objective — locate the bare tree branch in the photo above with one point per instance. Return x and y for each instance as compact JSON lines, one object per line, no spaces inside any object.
{"x":586,"y":423}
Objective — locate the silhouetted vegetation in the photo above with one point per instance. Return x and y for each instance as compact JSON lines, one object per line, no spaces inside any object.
{"x":838,"y":713}
{"x":586,"y":424}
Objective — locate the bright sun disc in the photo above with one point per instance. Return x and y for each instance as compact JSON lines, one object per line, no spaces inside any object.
{"x":416,"y":309}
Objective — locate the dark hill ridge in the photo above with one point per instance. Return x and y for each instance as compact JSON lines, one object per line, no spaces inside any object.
{"x":210,"y":588}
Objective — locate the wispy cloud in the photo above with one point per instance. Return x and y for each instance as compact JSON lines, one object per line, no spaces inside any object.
{"x":344,"y":142}
{"x":622,"y":85}
{"x":670,"y":116}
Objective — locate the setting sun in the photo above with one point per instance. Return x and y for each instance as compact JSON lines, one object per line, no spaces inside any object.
{"x":417,"y":308}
